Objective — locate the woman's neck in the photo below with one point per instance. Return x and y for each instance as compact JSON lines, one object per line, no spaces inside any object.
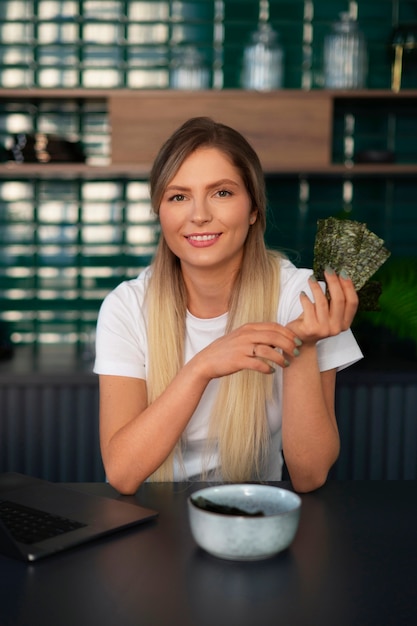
{"x":208,"y":295}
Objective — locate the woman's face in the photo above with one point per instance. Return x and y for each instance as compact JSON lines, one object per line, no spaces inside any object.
{"x":206,"y":212}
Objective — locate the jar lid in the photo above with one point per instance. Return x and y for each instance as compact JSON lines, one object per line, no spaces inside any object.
{"x":265,"y":34}
{"x":346,"y":24}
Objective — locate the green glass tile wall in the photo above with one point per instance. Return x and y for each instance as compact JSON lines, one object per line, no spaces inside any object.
{"x":387,"y":205}
{"x":63,"y":246}
{"x":65,"y":243}
{"x":117,"y":43}
{"x":366,"y":125}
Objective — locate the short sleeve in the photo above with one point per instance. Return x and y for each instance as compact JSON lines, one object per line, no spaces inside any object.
{"x":121,"y":344}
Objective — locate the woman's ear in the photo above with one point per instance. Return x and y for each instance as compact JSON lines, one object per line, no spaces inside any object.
{"x":253,"y":217}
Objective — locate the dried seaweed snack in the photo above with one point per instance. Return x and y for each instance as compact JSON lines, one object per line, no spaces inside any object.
{"x":372,"y":255}
{"x":224,"y":509}
{"x":348,"y":245}
{"x":369,"y":296}
{"x":337,"y":244}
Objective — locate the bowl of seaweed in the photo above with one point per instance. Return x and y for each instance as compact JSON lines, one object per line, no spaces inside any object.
{"x":244,"y":522}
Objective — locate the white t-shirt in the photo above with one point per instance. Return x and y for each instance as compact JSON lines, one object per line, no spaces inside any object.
{"x":122,"y":350}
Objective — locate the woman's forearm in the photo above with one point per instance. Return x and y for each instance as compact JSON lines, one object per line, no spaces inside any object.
{"x":145,"y":438}
{"x":309,"y":429}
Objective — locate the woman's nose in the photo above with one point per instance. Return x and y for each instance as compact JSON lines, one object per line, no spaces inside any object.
{"x":200,"y":213}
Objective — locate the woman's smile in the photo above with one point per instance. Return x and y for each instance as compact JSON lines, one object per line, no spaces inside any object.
{"x":203,"y":240}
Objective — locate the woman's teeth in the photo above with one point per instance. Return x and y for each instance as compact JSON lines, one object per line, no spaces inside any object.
{"x":202,"y":237}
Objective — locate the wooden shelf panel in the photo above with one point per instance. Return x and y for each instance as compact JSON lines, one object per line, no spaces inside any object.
{"x":45,"y":94}
{"x":169,"y":93}
{"x":141,"y":170}
{"x":72,"y":170}
{"x":368,"y":169}
{"x":282,"y":129}
{"x":291,"y":129}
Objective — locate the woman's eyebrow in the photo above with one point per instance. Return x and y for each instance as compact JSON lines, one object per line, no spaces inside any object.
{"x":221,"y":182}
{"x":176,"y":188}
{"x":216,"y":183}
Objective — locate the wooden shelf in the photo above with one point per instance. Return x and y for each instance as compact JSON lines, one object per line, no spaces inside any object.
{"x":135,"y":170}
{"x":362,"y":169}
{"x":288,"y":129}
{"x":89,"y":93}
{"x":291,"y":129}
{"x":72,"y":170}
{"x":45,"y":94}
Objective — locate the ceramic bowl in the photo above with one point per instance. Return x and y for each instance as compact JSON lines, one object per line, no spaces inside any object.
{"x":242,"y":537}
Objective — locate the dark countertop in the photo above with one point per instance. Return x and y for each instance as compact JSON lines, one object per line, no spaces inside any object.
{"x":352,"y":563}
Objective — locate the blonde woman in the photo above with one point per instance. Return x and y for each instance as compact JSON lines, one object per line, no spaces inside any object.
{"x":221,"y":355}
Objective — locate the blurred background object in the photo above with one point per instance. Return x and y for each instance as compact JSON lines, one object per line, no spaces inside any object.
{"x":404,"y":47}
{"x":345,"y":55}
{"x":189,"y":70}
{"x":263,"y":57}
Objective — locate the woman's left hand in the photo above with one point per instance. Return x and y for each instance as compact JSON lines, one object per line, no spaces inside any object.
{"x":326,"y":316}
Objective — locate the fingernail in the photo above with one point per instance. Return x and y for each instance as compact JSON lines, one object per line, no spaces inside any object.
{"x":303,"y":293}
{"x":296,"y":352}
{"x":329,"y":270}
{"x":286,"y":363}
{"x":298,"y":342}
{"x":272,"y":369}
{"x":343,"y":274}
{"x":313,"y":278}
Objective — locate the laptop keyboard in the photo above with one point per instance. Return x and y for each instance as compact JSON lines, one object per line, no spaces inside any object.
{"x":29,"y":525}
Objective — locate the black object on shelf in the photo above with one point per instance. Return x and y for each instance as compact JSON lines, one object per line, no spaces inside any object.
{"x":43,"y":148}
{"x":375,"y":156}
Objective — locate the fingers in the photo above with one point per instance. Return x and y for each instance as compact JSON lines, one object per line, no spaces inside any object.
{"x":271,"y":343}
{"x":259,"y":346}
{"x":335,"y":311}
{"x":273,"y":337}
{"x":275,"y":355}
{"x":343,"y":297}
{"x":351,"y":298}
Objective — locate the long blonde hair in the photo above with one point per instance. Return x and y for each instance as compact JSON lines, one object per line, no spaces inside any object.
{"x":238,"y":427}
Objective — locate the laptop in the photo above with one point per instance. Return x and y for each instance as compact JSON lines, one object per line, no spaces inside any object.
{"x":39,"y":518}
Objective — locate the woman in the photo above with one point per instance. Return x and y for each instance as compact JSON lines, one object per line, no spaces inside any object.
{"x":221,"y":354}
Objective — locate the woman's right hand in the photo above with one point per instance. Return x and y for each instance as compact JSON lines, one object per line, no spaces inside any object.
{"x":256,"y":346}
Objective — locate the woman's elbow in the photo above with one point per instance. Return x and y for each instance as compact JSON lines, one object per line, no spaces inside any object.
{"x":124,"y":486}
{"x":313,"y":476}
{"x":122,"y":481}
{"x":312,"y":482}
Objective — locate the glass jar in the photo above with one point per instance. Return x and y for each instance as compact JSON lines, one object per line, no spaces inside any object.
{"x":263,"y":60}
{"x":345,"y":56}
{"x":188,"y":69}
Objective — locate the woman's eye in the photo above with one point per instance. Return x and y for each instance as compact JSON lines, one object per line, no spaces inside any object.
{"x":177,"y":198}
{"x":223,"y":193}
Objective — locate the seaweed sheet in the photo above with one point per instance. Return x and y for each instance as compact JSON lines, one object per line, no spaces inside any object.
{"x":350,"y":245}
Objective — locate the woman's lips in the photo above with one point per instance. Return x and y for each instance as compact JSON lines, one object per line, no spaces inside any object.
{"x":204,"y":240}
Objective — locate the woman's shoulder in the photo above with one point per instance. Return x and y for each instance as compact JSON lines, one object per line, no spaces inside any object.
{"x":291,"y":274}
{"x":293,"y":281}
{"x":129,"y":291}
